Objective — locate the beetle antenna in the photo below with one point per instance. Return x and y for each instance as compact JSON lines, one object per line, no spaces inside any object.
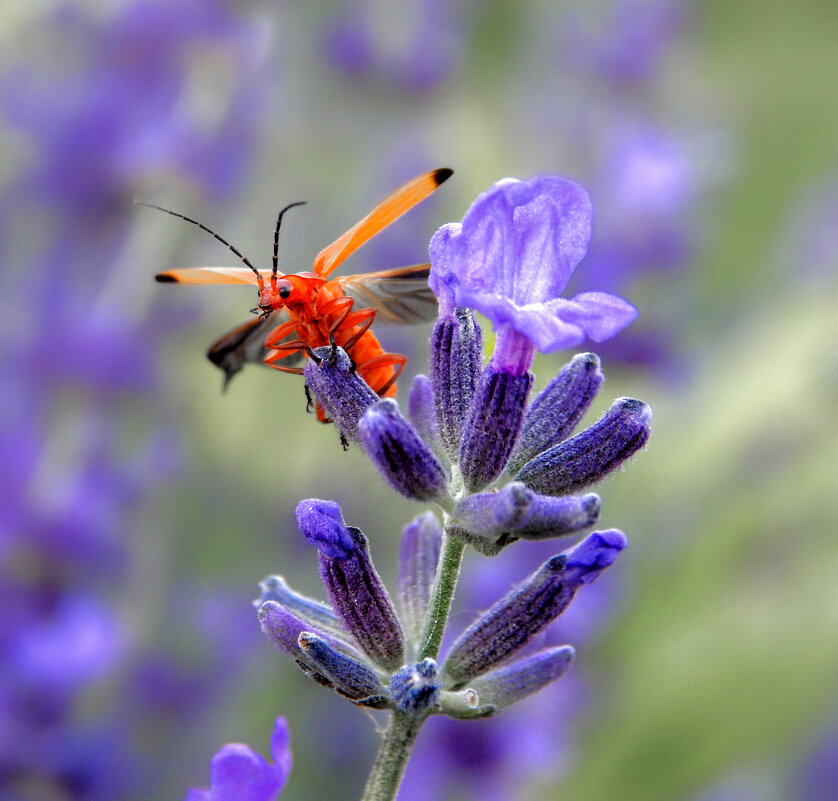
{"x":203,"y":228}
{"x":276,"y":233}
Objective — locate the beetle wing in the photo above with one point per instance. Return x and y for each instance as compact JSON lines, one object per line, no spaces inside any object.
{"x":211,"y":275}
{"x":246,"y":344}
{"x":399,"y":297}
{"x":386,"y":212}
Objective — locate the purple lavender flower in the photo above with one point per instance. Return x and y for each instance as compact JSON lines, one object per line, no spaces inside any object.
{"x":238,"y":773}
{"x":511,"y":258}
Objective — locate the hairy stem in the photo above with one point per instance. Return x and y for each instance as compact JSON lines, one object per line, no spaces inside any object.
{"x":441,"y":596}
{"x":387,"y":771}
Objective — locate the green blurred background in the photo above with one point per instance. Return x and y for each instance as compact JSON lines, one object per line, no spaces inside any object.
{"x":719,"y":669}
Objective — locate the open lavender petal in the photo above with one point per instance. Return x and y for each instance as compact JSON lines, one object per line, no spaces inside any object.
{"x":512,"y":622}
{"x":355,"y":589}
{"x":420,"y":547}
{"x":593,"y":453}
{"x":404,"y":459}
{"x":557,"y":409}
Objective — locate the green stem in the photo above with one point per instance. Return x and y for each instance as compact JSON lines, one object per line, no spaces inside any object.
{"x":386,"y":775}
{"x":441,"y":596}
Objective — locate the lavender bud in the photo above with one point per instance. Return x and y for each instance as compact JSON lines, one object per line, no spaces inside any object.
{"x":503,"y":686}
{"x":420,"y":411}
{"x":557,"y":409}
{"x":314,"y":613}
{"x":401,"y":456}
{"x":421,"y":544}
{"x":321,"y":522}
{"x":591,"y":454}
{"x":415,"y":688}
{"x":456,"y":359}
{"x":348,"y":676}
{"x":492,"y":428}
{"x":489,"y":514}
{"x":556,"y":517}
{"x":528,"y":608}
{"x":331,"y":376}
{"x":357,"y":593}
{"x":283,"y":628}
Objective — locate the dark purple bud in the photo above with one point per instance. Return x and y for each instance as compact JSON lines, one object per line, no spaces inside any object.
{"x":330,"y":374}
{"x":314,"y":613}
{"x":322,"y":524}
{"x":557,"y":409}
{"x":360,"y":600}
{"x":525,"y":611}
{"x":492,"y":428}
{"x":456,"y":361}
{"x":348,"y":676}
{"x":520,"y":511}
{"x":503,"y":686}
{"x":591,"y":454}
{"x":416,"y":688}
{"x":404,"y":459}
{"x":489,"y":514}
{"x":421,"y":544}
{"x":556,"y":517}
{"x":283,"y":628}
{"x":420,"y":411}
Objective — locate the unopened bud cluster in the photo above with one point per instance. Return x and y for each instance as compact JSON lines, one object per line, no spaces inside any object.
{"x":365,"y":646}
{"x":500,"y":467}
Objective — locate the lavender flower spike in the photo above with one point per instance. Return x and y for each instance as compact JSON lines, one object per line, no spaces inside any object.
{"x":525,"y":611}
{"x":355,"y":589}
{"x":330,"y":375}
{"x":404,"y":459}
{"x":591,"y":454}
{"x":237,"y":772}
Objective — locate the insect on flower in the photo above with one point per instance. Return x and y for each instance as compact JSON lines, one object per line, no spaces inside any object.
{"x":302,"y":311}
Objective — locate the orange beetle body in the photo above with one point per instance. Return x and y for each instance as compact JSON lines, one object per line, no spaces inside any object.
{"x":317,"y":311}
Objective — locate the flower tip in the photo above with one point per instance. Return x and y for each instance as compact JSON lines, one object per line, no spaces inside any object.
{"x":596,"y":552}
{"x":564,"y":657}
{"x":590,"y":361}
{"x":591,"y":504}
{"x":556,"y":564}
{"x":322,"y":524}
{"x":635,"y":409}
